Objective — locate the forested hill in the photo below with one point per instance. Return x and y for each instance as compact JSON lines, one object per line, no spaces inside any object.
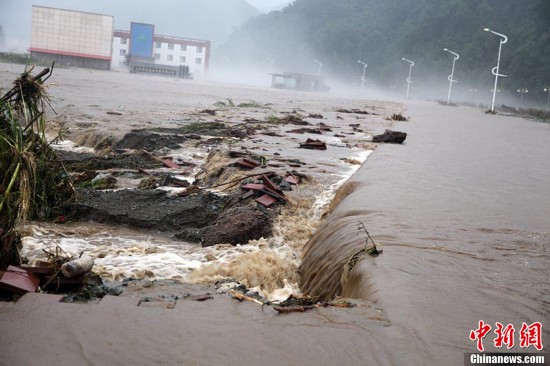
{"x":382,"y":32}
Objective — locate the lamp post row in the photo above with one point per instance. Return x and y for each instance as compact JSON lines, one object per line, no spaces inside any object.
{"x":456,"y":56}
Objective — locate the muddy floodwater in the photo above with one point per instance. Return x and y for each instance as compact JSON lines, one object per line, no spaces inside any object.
{"x":461,"y":210}
{"x":463,"y":213}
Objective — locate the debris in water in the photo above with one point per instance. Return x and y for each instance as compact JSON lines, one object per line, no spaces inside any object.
{"x":19,"y":281}
{"x":306,"y":130}
{"x":398,"y":117}
{"x":354,"y":110}
{"x":301,"y":304}
{"x":266,"y":200}
{"x":170,"y":164}
{"x":241,"y":297}
{"x":392,"y":137}
{"x":247,"y":164}
{"x":372,"y":251}
{"x":292,"y":179}
{"x":192,"y":189}
{"x":204,"y":297}
{"x":313,"y":144}
{"x":77,"y":267}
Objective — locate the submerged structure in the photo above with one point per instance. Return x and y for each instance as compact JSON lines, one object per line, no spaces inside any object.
{"x":296,"y":81}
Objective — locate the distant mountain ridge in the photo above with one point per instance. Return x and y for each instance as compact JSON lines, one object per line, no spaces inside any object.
{"x":381,"y":33}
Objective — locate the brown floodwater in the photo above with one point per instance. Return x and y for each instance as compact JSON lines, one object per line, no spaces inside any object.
{"x":462,"y":212}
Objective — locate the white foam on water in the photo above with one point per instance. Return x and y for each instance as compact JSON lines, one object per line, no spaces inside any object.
{"x":121,"y":253}
{"x":324,"y":199}
{"x":67,"y":145}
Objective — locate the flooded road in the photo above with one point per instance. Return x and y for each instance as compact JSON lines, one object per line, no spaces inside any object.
{"x":463,"y":214}
{"x":461,"y":210}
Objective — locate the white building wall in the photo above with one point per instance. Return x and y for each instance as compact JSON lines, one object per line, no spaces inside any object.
{"x":170,"y":53}
{"x":71,"y":32}
{"x":121,"y":47}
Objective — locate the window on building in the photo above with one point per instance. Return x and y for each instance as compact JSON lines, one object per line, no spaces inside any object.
{"x":182,"y":59}
{"x":157,"y":56}
{"x":158,"y":44}
{"x":122,"y":52}
{"x":199,"y":49}
{"x":124,"y":41}
{"x":170,"y":57}
{"x":184,"y":47}
{"x":170,"y":46}
{"x":198,"y":61}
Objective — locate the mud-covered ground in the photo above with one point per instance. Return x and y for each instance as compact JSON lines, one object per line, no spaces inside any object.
{"x":158,"y":155}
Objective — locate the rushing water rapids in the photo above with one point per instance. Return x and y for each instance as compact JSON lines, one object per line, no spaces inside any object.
{"x":463,"y":213}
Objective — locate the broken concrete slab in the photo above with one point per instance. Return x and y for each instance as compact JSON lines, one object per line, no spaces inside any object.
{"x":170,"y":164}
{"x":279,"y":197}
{"x":292,"y":179}
{"x":253,"y":186}
{"x":313,"y":144}
{"x":266,"y":200}
{"x":246,"y":164}
{"x":18,"y":281}
{"x":269,"y":184}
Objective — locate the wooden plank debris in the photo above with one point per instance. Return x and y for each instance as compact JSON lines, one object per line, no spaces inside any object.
{"x":313,"y":144}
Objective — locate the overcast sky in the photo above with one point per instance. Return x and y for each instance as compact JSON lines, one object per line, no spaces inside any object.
{"x":266,"y":5}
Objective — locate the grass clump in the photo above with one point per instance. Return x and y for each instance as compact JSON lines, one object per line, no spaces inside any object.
{"x":229,"y":103}
{"x":251,"y":104}
{"x":202,"y":126}
{"x":33,"y":184}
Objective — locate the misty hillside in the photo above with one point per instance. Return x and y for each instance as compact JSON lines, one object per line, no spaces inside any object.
{"x":339,"y":33}
{"x":213,"y":20}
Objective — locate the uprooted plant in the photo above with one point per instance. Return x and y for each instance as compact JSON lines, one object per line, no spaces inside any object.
{"x":33,"y":182}
{"x":370,"y":250}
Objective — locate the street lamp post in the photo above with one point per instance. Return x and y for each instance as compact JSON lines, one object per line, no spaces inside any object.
{"x":495,"y":69}
{"x":409,"y":82}
{"x":522,"y":91}
{"x":547,"y":102}
{"x":363,"y":77}
{"x":450,"y":77}
{"x":320,"y":66}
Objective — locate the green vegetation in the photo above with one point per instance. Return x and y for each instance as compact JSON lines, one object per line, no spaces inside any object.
{"x":15,"y":58}
{"x":202,"y":126}
{"x":382,"y":32}
{"x":34,"y":183}
{"x":221,"y":104}
{"x":251,"y":104}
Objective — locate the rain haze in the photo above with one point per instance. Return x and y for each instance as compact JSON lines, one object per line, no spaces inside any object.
{"x":278,"y":182}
